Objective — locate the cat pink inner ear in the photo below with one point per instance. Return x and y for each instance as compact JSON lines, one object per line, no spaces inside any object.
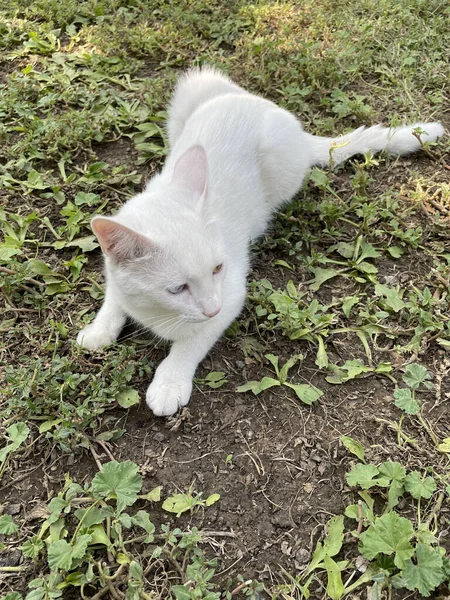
{"x":119,"y":242}
{"x":191,"y":170}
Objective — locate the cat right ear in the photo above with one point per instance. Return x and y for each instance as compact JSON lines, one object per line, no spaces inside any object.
{"x":191,"y":170}
{"x":119,"y":242}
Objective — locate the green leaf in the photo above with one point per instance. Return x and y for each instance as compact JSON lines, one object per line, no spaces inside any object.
{"x":98,"y":535}
{"x":366,"y":476}
{"x":395,"y":251}
{"x":32,"y":547}
{"x":181,"y":592}
{"x":119,"y":481}
{"x":142,"y":519}
{"x":212,"y":499}
{"x":320,"y":276}
{"x":415,"y":375}
{"x":153,"y":496}
{"x":389,"y":534}
{"x":12,"y":596}
{"x":405,"y":401}
{"x":334,"y":538}
{"x":287,"y":366}
{"x":322,"y":356}
{"x":348,"y":303}
{"x":258,"y":386}
{"x":444,"y":446}
{"x":128,"y":397}
{"x":179,"y":503}
{"x":392,"y":470}
{"x":353,"y":446}
{"x":392,"y":297}
{"x":305,"y":392}
{"x":61,"y":554}
{"x":274,"y":362}
{"x":93,"y":516}
{"x":427,"y":573}
{"x":366,"y":250}
{"x":418,"y":486}
{"x":335,"y":587}
{"x":367,"y":267}
{"x":7,"y":525}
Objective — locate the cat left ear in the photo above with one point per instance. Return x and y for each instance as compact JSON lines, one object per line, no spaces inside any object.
{"x":191,"y":170}
{"x":119,"y":242}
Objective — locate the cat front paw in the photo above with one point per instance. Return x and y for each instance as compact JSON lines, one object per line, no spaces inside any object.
{"x":164,"y":398}
{"x":94,"y":336}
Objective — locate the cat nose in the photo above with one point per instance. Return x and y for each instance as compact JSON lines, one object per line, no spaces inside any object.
{"x":211,"y":313}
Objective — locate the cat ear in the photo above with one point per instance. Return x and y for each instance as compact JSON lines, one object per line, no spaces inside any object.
{"x":119,"y":242}
{"x":191,"y":170}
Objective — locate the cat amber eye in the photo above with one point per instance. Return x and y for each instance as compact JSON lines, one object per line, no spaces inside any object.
{"x":217,"y":269}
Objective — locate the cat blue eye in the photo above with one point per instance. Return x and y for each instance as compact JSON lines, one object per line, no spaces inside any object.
{"x":178,"y":289}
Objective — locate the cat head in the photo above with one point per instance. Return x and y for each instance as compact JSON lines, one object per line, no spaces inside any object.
{"x":163,"y":249}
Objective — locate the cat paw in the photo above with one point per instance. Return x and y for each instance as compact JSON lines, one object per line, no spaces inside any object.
{"x":164,"y":399}
{"x":93,"y":337}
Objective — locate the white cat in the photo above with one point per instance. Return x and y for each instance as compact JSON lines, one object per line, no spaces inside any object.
{"x":177,"y":254}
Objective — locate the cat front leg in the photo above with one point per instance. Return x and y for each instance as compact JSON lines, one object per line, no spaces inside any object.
{"x":106,"y":326}
{"x":172,"y":384}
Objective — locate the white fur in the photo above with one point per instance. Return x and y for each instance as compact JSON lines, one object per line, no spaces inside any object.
{"x":235,"y":158}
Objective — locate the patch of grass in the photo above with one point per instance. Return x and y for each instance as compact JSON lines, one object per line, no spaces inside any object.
{"x":358,"y":271}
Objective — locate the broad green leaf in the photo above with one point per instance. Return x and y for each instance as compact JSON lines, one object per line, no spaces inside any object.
{"x":127,"y":397}
{"x":142,"y":519}
{"x":47,"y":425}
{"x":274,"y":362}
{"x":93,"y":516}
{"x":415,"y":375}
{"x":212,"y":499}
{"x":305,"y":392}
{"x":179,"y":503}
{"x":367,"y":267}
{"x":287,"y":366}
{"x":444,"y":446}
{"x":396,"y":489}
{"x":7,"y":525}
{"x":392,"y":470}
{"x":32,"y":547}
{"x":389,"y":534}
{"x":320,"y":276}
{"x":18,"y":433}
{"x":86,"y":244}
{"x":322,"y":356}
{"x":392,"y":297}
{"x":153,"y":496}
{"x":335,"y":587}
{"x":258,"y":386}
{"x":426,"y":573}
{"x":352,"y":511}
{"x":366,"y":476}
{"x":366,"y":250}
{"x":353,"y":446}
{"x":61,"y":554}
{"x":395,"y":251}
{"x":181,"y":592}
{"x":12,"y":596}
{"x":418,"y":486}
{"x":332,"y":543}
{"x":348,"y":303}
{"x":98,"y":535}
{"x":119,"y":481}
{"x":405,"y":401}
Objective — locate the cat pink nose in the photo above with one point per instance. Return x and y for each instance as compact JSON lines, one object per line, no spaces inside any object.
{"x":212,"y":313}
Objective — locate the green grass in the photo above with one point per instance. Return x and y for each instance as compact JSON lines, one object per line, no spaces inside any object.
{"x":358,"y":262}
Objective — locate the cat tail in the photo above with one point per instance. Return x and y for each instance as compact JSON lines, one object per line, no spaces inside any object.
{"x":395,"y":140}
